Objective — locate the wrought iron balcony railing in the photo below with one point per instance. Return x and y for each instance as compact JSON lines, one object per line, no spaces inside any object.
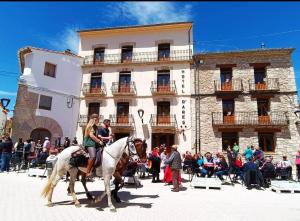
{"x":233,"y":86}
{"x":268,"y":85}
{"x":140,"y":57}
{"x":93,"y":90}
{"x":83,"y":120}
{"x":122,"y":89}
{"x":162,"y":88}
{"x":250,"y":118}
{"x":157,"y":120}
{"x":121,"y":120}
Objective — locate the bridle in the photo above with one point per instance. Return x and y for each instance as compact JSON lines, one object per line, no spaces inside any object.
{"x":131,"y":154}
{"x":131,"y":141}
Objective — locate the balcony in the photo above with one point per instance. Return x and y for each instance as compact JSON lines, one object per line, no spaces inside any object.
{"x":243,"y":119}
{"x":234,"y":86}
{"x":266,"y":86}
{"x":123,"y":89}
{"x":83,"y":120}
{"x":125,"y":121}
{"x":93,"y":91}
{"x":139,"y":57}
{"x":168,"y":88}
{"x":163,"y":123}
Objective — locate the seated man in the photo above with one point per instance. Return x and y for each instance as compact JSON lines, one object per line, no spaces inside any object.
{"x":251,"y":174}
{"x":284,"y":168}
{"x":268,"y":171}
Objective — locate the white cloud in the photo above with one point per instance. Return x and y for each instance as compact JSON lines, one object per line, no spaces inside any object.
{"x":67,"y":39}
{"x":7,"y":93}
{"x":154,"y":12}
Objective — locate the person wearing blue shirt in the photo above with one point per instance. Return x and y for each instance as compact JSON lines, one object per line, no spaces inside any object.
{"x":104,"y":132}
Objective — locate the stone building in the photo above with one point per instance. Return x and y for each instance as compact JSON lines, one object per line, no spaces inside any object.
{"x":47,"y":101}
{"x":135,"y":70}
{"x":248,"y":97}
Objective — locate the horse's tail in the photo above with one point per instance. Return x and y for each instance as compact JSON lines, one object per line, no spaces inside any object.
{"x":47,"y":188}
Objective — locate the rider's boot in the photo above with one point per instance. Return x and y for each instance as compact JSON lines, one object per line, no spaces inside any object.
{"x":89,"y":167}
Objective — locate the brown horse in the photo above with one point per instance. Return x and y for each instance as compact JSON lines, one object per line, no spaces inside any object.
{"x":118,"y":182}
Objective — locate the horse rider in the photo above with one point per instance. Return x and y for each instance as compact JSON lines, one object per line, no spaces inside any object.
{"x":91,"y":141}
{"x":104,"y":132}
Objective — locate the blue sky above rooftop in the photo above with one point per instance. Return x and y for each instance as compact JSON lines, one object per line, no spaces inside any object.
{"x":217,"y":26}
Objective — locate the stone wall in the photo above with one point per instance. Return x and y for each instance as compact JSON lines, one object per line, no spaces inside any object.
{"x":288,"y":140}
{"x":25,"y":119}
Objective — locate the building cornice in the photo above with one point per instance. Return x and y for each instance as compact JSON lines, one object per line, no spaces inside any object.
{"x":245,"y":53}
{"x":139,"y":28}
{"x":29,"y":49}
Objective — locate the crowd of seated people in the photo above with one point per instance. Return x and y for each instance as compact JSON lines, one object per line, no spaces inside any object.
{"x":250,"y":167}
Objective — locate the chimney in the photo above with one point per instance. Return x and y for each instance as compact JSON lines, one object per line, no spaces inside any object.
{"x":68,"y":51}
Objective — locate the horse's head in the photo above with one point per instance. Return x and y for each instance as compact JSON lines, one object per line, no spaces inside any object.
{"x":141,"y":148}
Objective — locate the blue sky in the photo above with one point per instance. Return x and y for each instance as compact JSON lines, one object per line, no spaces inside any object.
{"x":218,"y":26}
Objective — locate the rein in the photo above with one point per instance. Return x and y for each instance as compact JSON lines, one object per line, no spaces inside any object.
{"x":131,"y":154}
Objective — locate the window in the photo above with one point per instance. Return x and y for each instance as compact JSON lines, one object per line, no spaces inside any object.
{"x":226,"y":75}
{"x":163,"y":52}
{"x":263,"y":107}
{"x":229,"y":139}
{"x":228,"y":107}
{"x":163,"y":108}
{"x":50,"y":69}
{"x":45,"y":102}
{"x":266,"y":142}
{"x":163,"y":77}
{"x":96,"y":80}
{"x":123,"y":113}
{"x":93,"y":108}
{"x":127,"y":54}
{"x":99,"y":55}
{"x":259,"y":75}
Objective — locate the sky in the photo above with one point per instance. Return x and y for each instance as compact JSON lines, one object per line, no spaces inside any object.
{"x":217,"y":26}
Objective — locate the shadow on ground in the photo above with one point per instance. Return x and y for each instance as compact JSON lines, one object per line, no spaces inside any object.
{"x":125,"y":197}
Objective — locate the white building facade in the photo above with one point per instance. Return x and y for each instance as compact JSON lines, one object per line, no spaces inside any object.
{"x":139,"y":68}
{"x":48,"y":94}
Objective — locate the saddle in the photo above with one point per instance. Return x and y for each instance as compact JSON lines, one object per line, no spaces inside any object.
{"x":80,"y":158}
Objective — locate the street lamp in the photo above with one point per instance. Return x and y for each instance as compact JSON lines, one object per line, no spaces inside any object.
{"x":141,"y":114}
{"x":297,"y":113}
{"x":5,"y":102}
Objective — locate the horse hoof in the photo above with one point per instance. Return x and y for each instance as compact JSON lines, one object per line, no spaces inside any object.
{"x":113,"y":210}
{"x":69,"y":194}
{"x":77,"y":205}
{"x":50,"y":204}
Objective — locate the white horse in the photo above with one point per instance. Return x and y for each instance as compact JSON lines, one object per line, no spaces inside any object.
{"x":111,"y":156}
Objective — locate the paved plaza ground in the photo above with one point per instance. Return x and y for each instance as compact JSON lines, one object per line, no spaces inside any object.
{"x":20,"y":200}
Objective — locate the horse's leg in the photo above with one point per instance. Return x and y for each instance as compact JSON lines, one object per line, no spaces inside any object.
{"x":53,"y":184}
{"x":118,"y":185}
{"x":108,"y":193}
{"x":73,"y":175}
{"x":83,"y":181}
{"x":115,"y":191}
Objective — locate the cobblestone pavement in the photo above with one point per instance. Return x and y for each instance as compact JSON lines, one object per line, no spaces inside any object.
{"x":20,"y":200}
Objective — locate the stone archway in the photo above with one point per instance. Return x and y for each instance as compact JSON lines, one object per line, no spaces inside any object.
{"x":40,"y":134}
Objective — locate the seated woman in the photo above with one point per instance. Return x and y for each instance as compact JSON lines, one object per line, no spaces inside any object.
{"x":221,"y":168}
{"x":209,"y":164}
{"x":284,"y":168}
{"x":238,"y":167}
{"x":195,"y":167}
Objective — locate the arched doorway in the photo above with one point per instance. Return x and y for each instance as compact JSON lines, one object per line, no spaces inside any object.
{"x":40,"y":134}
